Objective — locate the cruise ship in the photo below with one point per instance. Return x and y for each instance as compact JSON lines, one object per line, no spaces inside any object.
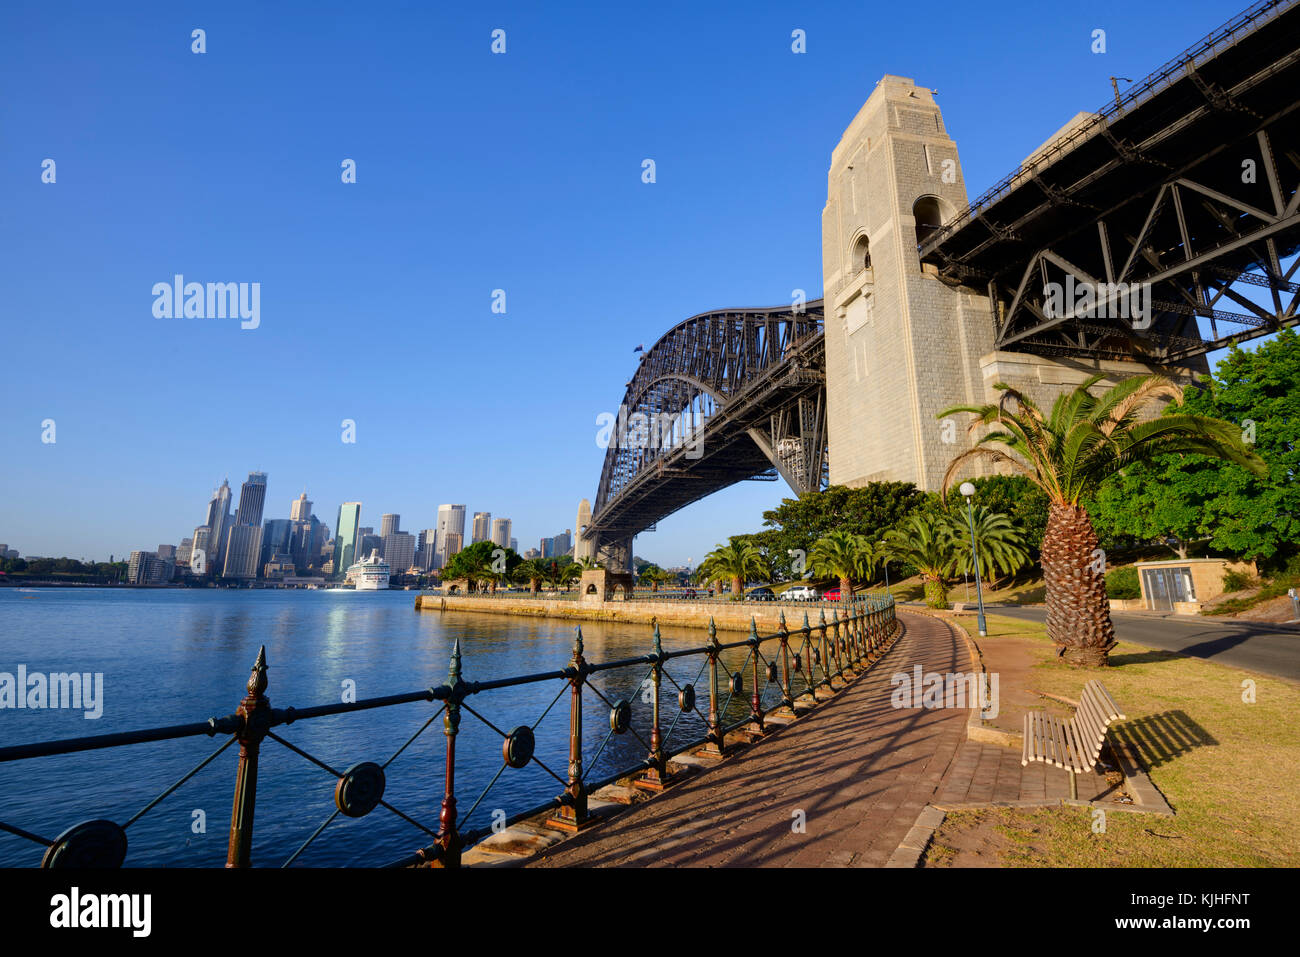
{"x":370,"y":574}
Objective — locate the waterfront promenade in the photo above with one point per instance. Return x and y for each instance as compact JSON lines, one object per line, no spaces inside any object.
{"x":859,"y":770}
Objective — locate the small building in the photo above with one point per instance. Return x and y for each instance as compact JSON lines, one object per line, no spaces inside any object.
{"x":1183,"y":585}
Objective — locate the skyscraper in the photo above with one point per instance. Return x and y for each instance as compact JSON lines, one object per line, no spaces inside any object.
{"x":501,"y":532}
{"x":218,"y":522}
{"x":451,"y":522}
{"x":425,"y":555}
{"x":346,"y":537}
{"x":399,"y":552}
{"x":388,"y":524}
{"x":252,"y":498}
{"x":300,"y":510}
{"x":482,"y":530}
{"x":514,"y":544}
{"x":277,"y":536}
{"x":243,"y":551}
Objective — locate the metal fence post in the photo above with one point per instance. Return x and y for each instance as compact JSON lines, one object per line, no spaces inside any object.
{"x":572,"y":815}
{"x":656,"y":777}
{"x":715,"y":745}
{"x":255,"y":715}
{"x":448,"y":840}
{"x":786,"y":700}
{"x":755,"y":698}
{"x":826,"y":658}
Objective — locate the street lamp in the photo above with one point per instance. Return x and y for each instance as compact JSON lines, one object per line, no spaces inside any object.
{"x":967,"y":491}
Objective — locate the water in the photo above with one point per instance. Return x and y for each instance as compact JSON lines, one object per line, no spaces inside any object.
{"x":184,"y":655}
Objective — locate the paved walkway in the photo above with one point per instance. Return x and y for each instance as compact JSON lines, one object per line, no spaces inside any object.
{"x":858,"y":769}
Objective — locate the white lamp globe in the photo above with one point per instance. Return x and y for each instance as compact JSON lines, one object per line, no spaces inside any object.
{"x":967,"y":489}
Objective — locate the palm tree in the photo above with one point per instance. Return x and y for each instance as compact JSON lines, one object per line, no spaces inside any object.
{"x":844,"y":555}
{"x":1068,"y":454}
{"x":1000,"y":544}
{"x":737,"y":560}
{"x":533,"y":572}
{"x":927,"y":544}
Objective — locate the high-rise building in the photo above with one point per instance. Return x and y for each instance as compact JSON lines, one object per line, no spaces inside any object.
{"x":300,"y":510}
{"x":514,"y":545}
{"x":146,"y":568}
{"x":252,"y":499}
{"x":201,"y":547}
{"x":347,"y":532}
{"x":501,"y":532}
{"x":482,"y":530}
{"x":564,"y":543}
{"x":183,"y":553}
{"x":425,"y":554}
{"x":277,"y":537}
{"x":399,"y":552}
{"x":218,"y":522}
{"x":166,"y":552}
{"x":369,"y":543}
{"x":389,"y":523}
{"x":243,"y":551}
{"x":451,"y":522}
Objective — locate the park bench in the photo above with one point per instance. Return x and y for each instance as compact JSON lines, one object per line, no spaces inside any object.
{"x":1074,"y":744}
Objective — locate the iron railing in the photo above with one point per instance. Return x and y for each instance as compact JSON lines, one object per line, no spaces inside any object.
{"x":855,"y":634}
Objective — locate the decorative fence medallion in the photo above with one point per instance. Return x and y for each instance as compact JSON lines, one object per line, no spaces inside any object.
{"x":620,"y":716}
{"x":737,"y":683}
{"x":517,"y":749}
{"x":86,"y":845}
{"x":771,"y":671}
{"x":686,"y":698}
{"x":360,"y":789}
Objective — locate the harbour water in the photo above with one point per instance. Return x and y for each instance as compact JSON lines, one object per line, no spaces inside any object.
{"x":176,"y":656}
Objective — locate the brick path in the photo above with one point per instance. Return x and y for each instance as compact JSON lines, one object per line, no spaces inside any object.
{"x":858,"y":769}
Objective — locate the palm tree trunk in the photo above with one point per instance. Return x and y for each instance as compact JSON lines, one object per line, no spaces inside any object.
{"x":936,"y":593}
{"x":846,"y":588}
{"x":737,"y":586}
{"x":1078,"y":613}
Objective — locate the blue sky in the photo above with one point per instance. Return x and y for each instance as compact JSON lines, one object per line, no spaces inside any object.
{"x":475,"y":172}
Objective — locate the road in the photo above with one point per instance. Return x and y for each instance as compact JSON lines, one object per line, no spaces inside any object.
{"x":1255,"y":646}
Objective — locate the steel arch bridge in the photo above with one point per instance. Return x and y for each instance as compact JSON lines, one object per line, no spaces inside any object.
{"x":722,"y":397}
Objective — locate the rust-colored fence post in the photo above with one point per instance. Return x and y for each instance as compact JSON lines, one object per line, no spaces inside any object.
{"x":839,"y":646}
{"x":826,"y":658}
{"x":810,"y":672}
{"x":755,"y":697}
{"x":715,"y":745}
{"x":656,"y":777}
{"x":254,"y":722}
{"x":786,"y":700}
{"x":448,"y":840}
{"x":572,"y":815}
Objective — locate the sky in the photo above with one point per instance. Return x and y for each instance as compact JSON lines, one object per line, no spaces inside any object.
{"x":475,"y":171}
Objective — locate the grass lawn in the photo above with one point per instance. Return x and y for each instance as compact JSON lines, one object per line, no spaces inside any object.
{"x":1226,"y":767}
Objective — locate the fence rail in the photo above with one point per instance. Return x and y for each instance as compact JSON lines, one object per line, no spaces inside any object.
{"x":810,"y":657}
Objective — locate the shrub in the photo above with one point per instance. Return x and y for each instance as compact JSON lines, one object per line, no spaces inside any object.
{"x":1237,"y":581}
{"x":1123,"y":583}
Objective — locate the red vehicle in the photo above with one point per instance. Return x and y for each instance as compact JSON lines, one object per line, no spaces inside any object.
{"x":831,"y":594}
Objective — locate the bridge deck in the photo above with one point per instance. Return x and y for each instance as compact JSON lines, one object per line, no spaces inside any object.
{"x":859,"y":769}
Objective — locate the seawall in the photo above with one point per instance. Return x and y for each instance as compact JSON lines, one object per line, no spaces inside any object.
{"x":678,"y":613}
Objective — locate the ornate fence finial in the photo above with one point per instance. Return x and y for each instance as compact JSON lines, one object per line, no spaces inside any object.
{"x":782,"y":625}
{"x":453,"y":673}
{"x":577,"y":643}
{"x":659,"y":647}
{"x":713,"y":631}
{"x":753,"y":629}
{"x":257,"y":679}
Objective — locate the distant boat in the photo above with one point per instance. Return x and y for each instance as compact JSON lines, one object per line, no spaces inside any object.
{"x":371,"y":573}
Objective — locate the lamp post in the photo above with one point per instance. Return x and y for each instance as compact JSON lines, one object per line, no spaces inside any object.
{"x":967,"y":491}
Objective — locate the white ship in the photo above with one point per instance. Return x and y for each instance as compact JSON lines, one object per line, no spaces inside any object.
{"x":370,"y":574}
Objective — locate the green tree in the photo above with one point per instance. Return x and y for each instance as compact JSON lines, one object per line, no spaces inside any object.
{"x":844,"y":555}
{"x":1068,"y":454}
{"x":926,"y":543}
{"x":533,"y":572}
{"x":482,"y":563}
{"x":999,"y":543}
{"x":737,"y":560}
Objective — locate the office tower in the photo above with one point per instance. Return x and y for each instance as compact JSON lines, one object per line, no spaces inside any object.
{"x":252,"y":498}
{"x":389,"y":523}
{"x":137,"y":570}
{"x":532,"y":553}
{"x":548,"y":547}
{"x":369,"y":543}
{"x":482,"y":530}
{"x":300,"y":510}
{"x":346,"y":537}
{"x":166,"y":551}
{"x":399,"y":552}
{"x":426,"y":542}
{"x":501,"y":532}
{"x":146,"y":568}
{"x":451,"y":521}
{"x":564,"y":543}
{"x":201,"y":550}
{"x":218,"y":522}
{"x":183,"y":553}
{"x":514,"y":545}
{"x":243,"y":551}
{"x":277,"y":536}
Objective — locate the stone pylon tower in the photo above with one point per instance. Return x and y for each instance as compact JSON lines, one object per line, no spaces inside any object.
{"x":901,"y":346}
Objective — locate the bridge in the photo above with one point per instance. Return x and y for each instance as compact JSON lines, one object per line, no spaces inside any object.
{"x":1178,"y":199}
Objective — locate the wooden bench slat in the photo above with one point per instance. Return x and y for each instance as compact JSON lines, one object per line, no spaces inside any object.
{"x":1073,"y":744}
